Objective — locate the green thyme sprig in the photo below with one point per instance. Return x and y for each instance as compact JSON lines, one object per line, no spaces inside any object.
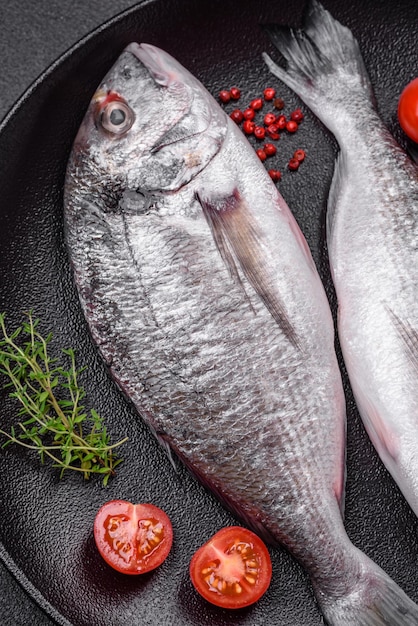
{"x":54,"y":423}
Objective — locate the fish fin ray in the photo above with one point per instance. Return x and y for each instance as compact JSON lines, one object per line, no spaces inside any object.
{"x":409,"y":336}
{"x":376,"y":601}
{"x":338,"y":183}
{"x":222,"y":244}
{"x":315,"y":56}
{"x":161,"y":438}
{"x":230,"y":221}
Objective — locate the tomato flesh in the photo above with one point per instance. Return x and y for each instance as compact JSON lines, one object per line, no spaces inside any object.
{"x":132,"y":538}
{"x":408,"y":110}
{"x":233,"y":569}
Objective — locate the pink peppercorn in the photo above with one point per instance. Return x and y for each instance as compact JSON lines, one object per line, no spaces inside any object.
{"x":249,"y":114}
{"x":297,"y":115}
{"x":270,"y":149}
{"x":272,"y":131}
{"x":293,"y":164}
{"x":248,"y":127}
{"x":235,"y":93}
{"x":237,"y":115}
{"x":281,"y":122}
{"x":275,"y":175}
{"x":224,"y":96}
{"x":269,"y":93}
{"x":256,"y":104}
{"x":261,"y":154}
{"x":269,"y":118}
{"x":291,"y":126}
{"x":259,"y":132}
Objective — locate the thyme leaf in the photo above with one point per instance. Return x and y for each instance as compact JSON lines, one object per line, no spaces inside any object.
{"x":53,"y":420}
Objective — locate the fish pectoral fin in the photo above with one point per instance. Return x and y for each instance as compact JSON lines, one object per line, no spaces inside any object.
{"x":408,"y":335}
{"x":337,"y":189}
{"x":240,"y":245}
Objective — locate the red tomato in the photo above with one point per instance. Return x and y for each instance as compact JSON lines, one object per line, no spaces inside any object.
{"x":233,"y":569}
{"x":132,"y":538}
{"x":408,"y":110}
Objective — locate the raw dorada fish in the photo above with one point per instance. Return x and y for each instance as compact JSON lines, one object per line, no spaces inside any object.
{"x":202,"y":296}
{"x":372,"y":230}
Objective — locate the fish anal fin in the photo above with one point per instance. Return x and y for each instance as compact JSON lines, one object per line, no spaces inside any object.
{"x":339,"y":489}
{"x":240,"y":243}
{"x":230,"y":503}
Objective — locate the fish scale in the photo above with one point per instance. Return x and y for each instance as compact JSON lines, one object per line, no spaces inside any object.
{"x":202,"y":297}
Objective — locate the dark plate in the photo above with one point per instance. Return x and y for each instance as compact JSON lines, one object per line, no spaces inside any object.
{"x":46,"y":524}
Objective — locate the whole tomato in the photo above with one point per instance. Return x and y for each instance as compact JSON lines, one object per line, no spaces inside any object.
{"x":408,"y":110}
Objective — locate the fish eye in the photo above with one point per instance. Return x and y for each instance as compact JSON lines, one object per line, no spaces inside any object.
{"x":117,"y":117}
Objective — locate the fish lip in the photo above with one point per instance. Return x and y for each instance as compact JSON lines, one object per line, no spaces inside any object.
{"x":153,"y":59}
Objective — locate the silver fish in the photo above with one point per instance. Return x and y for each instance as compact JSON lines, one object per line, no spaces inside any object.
{"x":372,"y":231}
{"x":203,"y":298}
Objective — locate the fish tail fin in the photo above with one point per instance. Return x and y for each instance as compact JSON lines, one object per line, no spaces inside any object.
{"x":324,"y":64}
{"x":374,"y":600}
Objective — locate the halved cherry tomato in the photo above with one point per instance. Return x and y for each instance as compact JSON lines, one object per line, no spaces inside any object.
{"x":132,"y":538}
{"x":408,"y":110}
{"x":233,"y":569}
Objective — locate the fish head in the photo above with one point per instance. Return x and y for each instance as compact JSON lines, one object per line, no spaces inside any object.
{"x":150,"y":126}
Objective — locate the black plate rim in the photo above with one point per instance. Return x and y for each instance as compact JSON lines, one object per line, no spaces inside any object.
{"x":62,"y":58}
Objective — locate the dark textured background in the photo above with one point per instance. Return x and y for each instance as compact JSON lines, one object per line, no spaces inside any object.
{"x":45,"y":525}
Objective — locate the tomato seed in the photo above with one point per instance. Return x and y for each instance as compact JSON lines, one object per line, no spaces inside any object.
{"x":250,"y":579}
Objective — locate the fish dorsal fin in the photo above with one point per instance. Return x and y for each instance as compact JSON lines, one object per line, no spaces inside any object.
{"x":240,"y":244}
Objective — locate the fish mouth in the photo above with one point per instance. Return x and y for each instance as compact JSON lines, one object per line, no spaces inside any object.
{"x":160,"y":65}
{"x":167,"y":72}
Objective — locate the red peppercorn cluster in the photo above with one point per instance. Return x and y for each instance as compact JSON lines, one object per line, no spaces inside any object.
{"x":269,"y":127}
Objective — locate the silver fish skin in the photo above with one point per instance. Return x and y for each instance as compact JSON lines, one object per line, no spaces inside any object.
{"x":202,"y":296}
{"x":372,"y":231}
